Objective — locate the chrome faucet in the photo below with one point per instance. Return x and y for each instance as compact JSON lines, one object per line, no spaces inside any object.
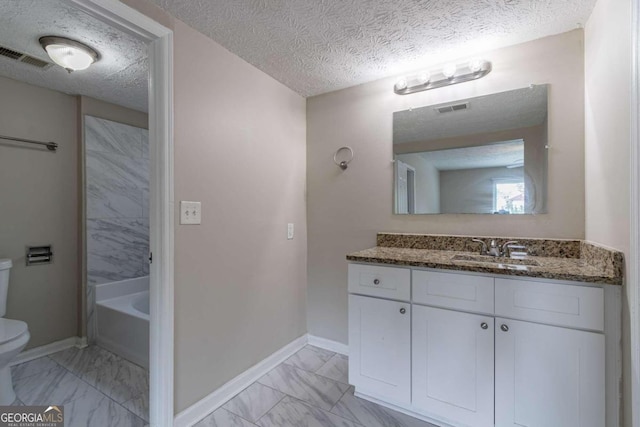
{"x":504,"y":249}
{"x":494,"y":249}
{"x":483,"y":249}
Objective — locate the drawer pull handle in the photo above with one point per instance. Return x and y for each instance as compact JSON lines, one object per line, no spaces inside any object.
{"x":376,"y":282}
{"x":403,"y":310}
{"x":484,"y":325}
{"x":504,"y":327}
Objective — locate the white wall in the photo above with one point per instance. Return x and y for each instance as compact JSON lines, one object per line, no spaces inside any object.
{"x":607,"y":141}
{"x":39,"y":205}
{"x":346,"y":209}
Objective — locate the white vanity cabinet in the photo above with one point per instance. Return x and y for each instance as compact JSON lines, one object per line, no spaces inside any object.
{"x":548,"y":376}
{"x":452,"y":365}
{"x":469,"y":350}
{"x":380,"y":333}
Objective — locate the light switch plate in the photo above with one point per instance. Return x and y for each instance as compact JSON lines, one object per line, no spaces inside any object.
{"x":290,"y":231}
{"x":190,"y":212}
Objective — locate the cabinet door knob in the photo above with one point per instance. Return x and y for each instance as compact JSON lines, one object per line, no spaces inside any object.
{"x":376,"y":281}
{"x":403,"y":310}
{"x":484,"y":325}
{"x":504,"y":327}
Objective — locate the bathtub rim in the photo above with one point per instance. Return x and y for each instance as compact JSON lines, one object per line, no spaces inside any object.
{"x":124,"y":304}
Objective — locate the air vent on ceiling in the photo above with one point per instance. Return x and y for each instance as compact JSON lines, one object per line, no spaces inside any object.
{"x":22,"y":57}
{"x":452,"y":108}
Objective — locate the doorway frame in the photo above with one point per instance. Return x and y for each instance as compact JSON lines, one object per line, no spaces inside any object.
{"x":633,"y":282}
{"x":161,"y":239}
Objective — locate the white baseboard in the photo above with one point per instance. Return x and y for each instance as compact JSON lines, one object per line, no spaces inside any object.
{"x":45,"y":350}
{"x":82,"y":342}
{"x":213,"y":401}
{"x":335,"y":346}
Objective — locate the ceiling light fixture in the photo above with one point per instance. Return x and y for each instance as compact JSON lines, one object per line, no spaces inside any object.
{"x":450,"y":74}
{"x":69,"y":54}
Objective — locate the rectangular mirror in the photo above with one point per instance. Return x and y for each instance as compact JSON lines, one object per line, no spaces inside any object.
{"x":483,"y":155}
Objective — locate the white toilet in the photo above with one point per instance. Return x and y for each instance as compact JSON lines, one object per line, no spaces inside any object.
{"x":14,"y":336}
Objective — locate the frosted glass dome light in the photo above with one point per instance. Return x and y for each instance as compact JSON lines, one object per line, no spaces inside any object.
{"x":69,"y":54}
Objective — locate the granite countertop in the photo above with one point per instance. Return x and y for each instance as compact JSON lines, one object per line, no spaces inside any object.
{"x":589,"y":263}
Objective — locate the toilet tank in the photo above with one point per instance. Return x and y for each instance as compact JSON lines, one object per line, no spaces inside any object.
{"x":5,"y":268}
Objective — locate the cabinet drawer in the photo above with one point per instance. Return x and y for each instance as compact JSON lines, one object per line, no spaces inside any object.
{"x":384,"y":282}
{"x":555,"y":304}
{"x":453,"y":290}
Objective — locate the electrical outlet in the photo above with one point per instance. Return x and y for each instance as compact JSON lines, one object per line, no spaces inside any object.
{"x":290,"y":231}
{"x":190,"y":212}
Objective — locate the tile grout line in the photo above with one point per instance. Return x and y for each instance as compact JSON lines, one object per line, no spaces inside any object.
{"x":339,"y":416}
{"x":231,"y":412}
{"x":333,"y":379}
{"x":338,"y":401}
{"x":270,"y":409}
{"x":309,"y":403}
{"x":98,"y":390}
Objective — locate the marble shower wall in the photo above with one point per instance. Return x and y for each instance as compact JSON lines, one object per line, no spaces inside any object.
{"x":117,"y":203}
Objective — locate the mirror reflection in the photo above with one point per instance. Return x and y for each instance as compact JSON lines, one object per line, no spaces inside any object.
{"x":483,"y":155}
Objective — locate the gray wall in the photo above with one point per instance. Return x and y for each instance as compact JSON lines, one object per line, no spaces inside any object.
{"x":345,"y":210}
{"x":39,"y":199}
{"x":117,"y":205}
{"x":471,"y":190}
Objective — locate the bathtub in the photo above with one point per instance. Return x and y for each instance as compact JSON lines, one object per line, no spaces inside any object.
{"x":122,"y":319}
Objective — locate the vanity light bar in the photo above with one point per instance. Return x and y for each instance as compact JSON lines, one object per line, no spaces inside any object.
{"x":450,"y":74}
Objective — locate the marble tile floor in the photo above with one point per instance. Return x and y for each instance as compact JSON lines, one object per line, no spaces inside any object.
{"x":309,"y":389}
{"x":96,"y":387}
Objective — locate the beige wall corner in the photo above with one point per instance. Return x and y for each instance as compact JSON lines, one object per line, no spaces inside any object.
{"x":152,"y":11}
{"x":607,"y":142}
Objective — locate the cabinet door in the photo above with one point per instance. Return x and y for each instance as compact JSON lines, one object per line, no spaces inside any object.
{"x":548,"y":376}
{"x":453,"y":365}
{"x":380,"y":348}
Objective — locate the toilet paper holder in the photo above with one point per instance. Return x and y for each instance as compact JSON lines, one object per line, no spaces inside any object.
{"x":37,"y":255}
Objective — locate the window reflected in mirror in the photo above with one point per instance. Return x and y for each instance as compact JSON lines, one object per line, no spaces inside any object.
{"x":484,"y":155}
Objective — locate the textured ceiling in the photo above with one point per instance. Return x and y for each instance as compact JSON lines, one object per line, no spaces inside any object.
{"x":508,"y":153}
{"x":491,"y":113}
{"x":120,"y":76}
{"x":318,"y":46}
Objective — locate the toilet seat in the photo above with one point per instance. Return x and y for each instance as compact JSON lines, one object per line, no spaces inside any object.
{"x":11,"y":329}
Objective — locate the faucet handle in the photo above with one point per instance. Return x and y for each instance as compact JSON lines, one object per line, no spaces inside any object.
{"x":483,"y":250}
{"x":506,"y":246}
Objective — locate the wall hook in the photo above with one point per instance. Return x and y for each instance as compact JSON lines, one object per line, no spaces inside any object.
{"x":344,"y":163}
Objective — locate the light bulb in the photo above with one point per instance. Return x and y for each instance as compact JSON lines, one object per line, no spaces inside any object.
{"x":69,"y":57}
{"x":449,"y":70}
{"x":401,"y":84}
{"x":475,"y":65}
{"x":69,"y":54}
{"x":424,"y":78}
